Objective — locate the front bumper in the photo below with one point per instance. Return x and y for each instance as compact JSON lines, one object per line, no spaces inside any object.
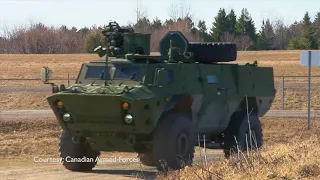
{"x":92,"y":114}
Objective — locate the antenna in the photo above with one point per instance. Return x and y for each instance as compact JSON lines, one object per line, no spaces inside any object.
{"x":107,"y":48}
{"x":170,"y":51}
{"x":107,"y":51}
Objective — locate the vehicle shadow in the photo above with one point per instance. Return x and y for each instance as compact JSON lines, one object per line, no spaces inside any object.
{"x":140,"y":174}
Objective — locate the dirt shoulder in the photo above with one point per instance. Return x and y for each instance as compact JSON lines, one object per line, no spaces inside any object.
{"x":29,"y":148}
{"x":28,"y":169}
{"x":23,"y":143}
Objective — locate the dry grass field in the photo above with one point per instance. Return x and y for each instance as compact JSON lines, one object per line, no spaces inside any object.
{"x":290,"y":152}
{"x":28,"y":66}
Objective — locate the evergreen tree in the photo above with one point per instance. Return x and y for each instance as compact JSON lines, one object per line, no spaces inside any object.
{"x":219,"y":26}
{"x":202,"y":31}
{"x":261,"y":37}
{"x":316,"y":25}
{"x":232,"y":22}
{"x":309,"y":31}
{"x":191,"y":26}
{"x":202,"y":26}
{"x":245,"y":25}
{"x":299,"y":43}
{"x":269,"y":35}
{"x":317,"y":19}
{"x":306,"y":19}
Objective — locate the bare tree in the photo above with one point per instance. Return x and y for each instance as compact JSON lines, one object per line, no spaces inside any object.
{"x":243,"y":42}
{"x":282,"y":38}
{"x":140,"y":14}
{"x":181,"y":11}
{"x":228,"y":37}
{"x":181,"y":26}
{"x":38,"y":38}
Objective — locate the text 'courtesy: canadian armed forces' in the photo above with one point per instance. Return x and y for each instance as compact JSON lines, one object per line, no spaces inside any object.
{"x":86,"y":159}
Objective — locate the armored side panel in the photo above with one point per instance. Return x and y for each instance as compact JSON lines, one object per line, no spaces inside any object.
{"x":136,"y":43}
{"x":259,"y":83}
{"x":255,"y":81}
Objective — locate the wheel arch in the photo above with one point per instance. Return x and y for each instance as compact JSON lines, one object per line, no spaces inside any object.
{"x":242,"y":108}
{"x":250,"y":102}
{"x":179,"y":103}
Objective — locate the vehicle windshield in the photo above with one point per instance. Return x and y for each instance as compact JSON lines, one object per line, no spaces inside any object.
{"x":120,"y":72}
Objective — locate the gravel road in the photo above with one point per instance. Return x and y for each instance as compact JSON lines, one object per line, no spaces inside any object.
{"x":30,"y":170}
{"x":38,"y":114}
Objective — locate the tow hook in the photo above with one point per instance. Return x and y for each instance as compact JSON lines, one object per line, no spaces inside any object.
{"x":75,"y":139}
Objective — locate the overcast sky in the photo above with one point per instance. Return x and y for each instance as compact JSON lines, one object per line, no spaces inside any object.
{"x":80,"y":13}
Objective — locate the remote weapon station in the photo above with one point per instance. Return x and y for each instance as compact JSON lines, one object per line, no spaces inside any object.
{"x":160,"y":106}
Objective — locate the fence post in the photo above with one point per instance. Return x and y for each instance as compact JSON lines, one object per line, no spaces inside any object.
{"x":282,"y":98}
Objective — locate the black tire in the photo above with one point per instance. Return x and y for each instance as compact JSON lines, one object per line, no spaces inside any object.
{"x":238,"y":128}
{"x":146,"y":159}
{"x":69,"y":151}
{"x":208,"y":53}
{"x":173,"y":129}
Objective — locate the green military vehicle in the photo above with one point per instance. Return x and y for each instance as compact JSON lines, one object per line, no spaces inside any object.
{"x":160,"y":106}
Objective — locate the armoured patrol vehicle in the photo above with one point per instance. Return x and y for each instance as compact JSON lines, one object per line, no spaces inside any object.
{"x":160,"y":106}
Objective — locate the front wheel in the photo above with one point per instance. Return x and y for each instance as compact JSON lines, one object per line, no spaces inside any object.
{"x":77,"y":157}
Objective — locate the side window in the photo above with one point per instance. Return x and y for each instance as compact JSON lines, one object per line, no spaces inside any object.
{"x":163,"y":76}
{"x":94,"y":72}
{"x":127,"y":72}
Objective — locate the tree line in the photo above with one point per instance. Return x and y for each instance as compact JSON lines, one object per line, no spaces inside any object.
{"x":37,"y":38}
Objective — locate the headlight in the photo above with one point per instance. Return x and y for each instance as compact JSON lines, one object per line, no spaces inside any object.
{"x":66,"y":117}
{"x":128,"y":119}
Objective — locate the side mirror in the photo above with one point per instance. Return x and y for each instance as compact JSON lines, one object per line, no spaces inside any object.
{"x":45,"y":74}
{"x":161,"y":77}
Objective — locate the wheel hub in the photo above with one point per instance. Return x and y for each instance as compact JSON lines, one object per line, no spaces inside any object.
{"x":183,"y":144}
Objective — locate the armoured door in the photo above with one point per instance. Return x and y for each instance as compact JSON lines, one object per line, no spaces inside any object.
{"x":214,"y":108}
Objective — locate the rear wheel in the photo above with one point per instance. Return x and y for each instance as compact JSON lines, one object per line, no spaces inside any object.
{"x":239,"y":129}
{"x":80,"y":152}
{"x":173,"y":142}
